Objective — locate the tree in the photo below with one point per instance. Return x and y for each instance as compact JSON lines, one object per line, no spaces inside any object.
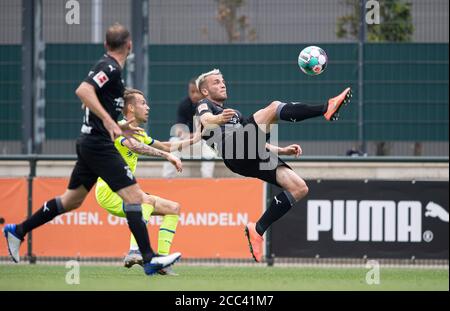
{"x":395,"y":22}
{"x":236,"y":26}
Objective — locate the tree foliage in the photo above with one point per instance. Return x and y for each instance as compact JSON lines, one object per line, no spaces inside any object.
{"x":236,"y":25}
{"x":395,"y":22}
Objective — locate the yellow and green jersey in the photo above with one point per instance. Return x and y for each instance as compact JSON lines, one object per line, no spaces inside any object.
{"x":104,"y":195}
{"x":129,"y":156}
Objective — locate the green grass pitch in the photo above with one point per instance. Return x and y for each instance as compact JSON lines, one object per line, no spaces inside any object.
{"x":207,"y":278}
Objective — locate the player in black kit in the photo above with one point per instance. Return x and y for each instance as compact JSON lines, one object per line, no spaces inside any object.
{"x":242,"y":143}
{"x":102,"y":96}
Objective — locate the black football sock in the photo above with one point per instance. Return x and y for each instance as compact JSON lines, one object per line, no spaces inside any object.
{"x":280,"y":205}
{"x":47,"y":212}
{"x":295,"y":112}
{"x":138,"y":227}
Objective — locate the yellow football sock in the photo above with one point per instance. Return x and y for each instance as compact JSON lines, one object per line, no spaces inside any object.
{"x":166,"y":233}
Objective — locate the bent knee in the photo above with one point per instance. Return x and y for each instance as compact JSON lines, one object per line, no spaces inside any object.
{"x":176,"y":208}
{"x":274,"y":105}
{"x":300,"y":191}
{"x":304,"y":190}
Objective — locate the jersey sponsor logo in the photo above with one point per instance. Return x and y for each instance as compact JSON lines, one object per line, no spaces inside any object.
{"x":202,"y":107}
{"x":111,"y":68}
{"x":129,"y":173}
{"x":90,"y":73}
{"x":371,"y":220}
{"x":100,"y":78}
{"x":119,"y":102}
{"x":234,"y":120}
{"x":86,"y":129}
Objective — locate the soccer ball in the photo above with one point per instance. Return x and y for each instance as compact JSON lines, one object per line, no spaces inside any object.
{"x":312,"y":60}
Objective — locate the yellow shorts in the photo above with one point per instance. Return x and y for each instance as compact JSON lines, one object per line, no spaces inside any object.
{"x":113,"y":203}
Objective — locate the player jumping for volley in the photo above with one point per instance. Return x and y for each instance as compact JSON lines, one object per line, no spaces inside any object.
{"x":136,"y":108}
{"x":257,"y":158}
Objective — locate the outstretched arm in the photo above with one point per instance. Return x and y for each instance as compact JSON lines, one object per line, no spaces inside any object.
{"x":208,"y":119}
{"x":169,"y":146}
{"x":141,"y":148}
{"x":289,"y":150}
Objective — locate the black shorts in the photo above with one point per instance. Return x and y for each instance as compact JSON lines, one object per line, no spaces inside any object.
{"x":262,"y":165}
{"x":99,"y":158}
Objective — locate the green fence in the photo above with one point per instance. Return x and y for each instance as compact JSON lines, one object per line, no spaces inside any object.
{"x":405,"y":87}
{"x":406,"y":92}
{"x":10,"y":92}
{"x":66,"y":66}
{"x":255,"y":75}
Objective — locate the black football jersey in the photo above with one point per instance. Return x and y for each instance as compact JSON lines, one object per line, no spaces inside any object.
{"x":205,"y":105}
{"x":106,"y":78}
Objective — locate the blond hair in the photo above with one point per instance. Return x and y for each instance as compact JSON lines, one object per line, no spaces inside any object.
{"x":129,"y":97}
{"x":201,"y":78}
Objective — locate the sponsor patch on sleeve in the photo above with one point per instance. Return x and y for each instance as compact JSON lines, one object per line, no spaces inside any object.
{"x":202,"y":107}
{"x":100,"y":78}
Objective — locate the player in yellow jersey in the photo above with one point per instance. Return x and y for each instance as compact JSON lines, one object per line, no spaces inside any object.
{"x":137,"y":109}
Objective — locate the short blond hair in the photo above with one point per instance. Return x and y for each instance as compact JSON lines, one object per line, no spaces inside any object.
{"x":129,"y":97}
{"x":201,"y":78}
